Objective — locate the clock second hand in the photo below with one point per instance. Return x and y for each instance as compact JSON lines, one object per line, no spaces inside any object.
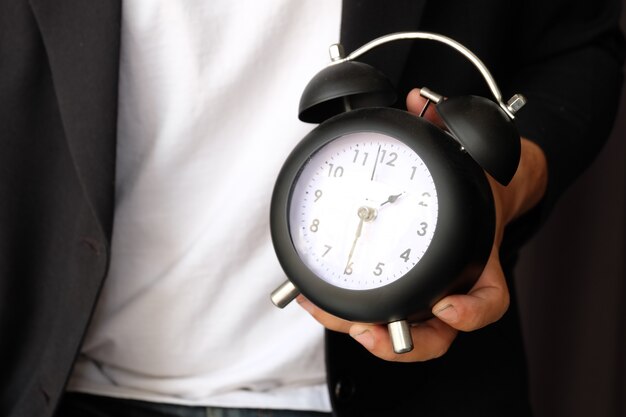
{"x":375,"y":163}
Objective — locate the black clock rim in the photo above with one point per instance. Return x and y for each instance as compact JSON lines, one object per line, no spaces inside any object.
{"x":466,"y":233}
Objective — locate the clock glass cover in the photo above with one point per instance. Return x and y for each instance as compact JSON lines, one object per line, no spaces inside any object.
{"x":363,"y":211}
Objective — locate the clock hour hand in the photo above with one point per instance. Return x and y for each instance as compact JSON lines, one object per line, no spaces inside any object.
{"x":392,"y":199}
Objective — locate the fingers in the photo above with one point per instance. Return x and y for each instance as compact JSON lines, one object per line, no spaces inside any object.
{"x":486,"y":302}
{"x":431,"y":339}
{"x":326,"y":319}
{"x":415,"y":104}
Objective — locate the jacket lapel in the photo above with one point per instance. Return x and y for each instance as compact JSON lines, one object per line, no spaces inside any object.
{"x":82,"y":39}
{"x":363,"y":21}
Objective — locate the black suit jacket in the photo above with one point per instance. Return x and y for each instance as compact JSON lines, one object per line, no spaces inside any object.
{"x":58,"y":107}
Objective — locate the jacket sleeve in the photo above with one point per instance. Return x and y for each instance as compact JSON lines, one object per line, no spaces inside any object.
{"x":570,"y":70}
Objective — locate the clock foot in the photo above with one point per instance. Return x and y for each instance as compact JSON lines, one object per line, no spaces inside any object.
{"x":284,"y":294}
{"x":400,"y":334}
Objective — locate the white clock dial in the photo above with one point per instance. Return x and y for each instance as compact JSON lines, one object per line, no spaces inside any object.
{"x":363,"y":211}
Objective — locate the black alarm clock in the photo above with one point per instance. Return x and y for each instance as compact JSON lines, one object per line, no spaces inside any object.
{"x":377,"y":213}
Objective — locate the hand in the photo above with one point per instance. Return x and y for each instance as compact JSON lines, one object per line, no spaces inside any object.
{"x":488,"y":299}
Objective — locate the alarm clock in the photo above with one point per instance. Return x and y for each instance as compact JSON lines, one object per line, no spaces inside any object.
{"x":377,"y":213}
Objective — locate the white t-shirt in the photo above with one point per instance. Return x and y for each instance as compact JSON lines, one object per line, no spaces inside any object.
{"x":208,"y":103}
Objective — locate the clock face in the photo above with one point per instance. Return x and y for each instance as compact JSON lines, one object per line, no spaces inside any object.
{"x":363,"y":211}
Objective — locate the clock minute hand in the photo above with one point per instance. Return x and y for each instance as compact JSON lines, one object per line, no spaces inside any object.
{"x":365,"y":214}
{"x":356,"y":238}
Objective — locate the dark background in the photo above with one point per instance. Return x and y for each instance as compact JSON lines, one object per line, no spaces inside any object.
{"x":572,"y":282}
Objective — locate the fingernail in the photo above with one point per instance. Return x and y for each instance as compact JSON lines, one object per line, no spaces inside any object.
{"x":364,"y":337}
{"x":447,"y":313}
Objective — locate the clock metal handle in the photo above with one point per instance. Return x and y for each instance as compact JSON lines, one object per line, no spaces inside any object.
{"x":400,"y":333}
{"x":284,"y":294}
{"x":509,"y":108}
